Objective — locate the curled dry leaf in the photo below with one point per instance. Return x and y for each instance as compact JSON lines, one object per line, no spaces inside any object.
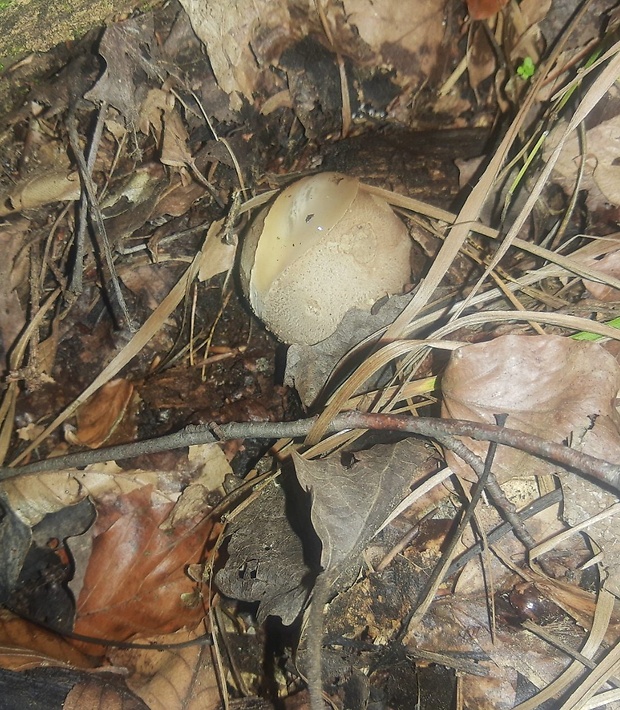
{"x":53,"y":185}
{"x":100,"y":415}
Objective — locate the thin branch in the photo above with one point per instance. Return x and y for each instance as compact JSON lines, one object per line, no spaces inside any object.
{"x":442,"y":430}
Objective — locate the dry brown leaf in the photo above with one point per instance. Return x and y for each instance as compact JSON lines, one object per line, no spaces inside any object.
{"x":608,"y":264}
{"x":155,"y":104}
{"x":100,"y":415}
{"x":136,"y":573}
{"x":176,"y":679}
{"x":174,"y":150}
{"x":101,"y":693}
{"x":240,"y":38}
{"x":557,"y":388}
{"x":403,"y":36}
{"x":178,"y":198}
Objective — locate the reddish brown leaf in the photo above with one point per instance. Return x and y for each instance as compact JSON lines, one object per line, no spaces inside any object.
{"x":136,"y":573}
{"x":483,"y":9}
{"x":100,"y":415}
{"x":24,"y":645}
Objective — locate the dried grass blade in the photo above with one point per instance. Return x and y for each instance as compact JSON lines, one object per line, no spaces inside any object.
{"x":374,"y":363}
{"x":559,"y":319}
{"x":593,"y":95}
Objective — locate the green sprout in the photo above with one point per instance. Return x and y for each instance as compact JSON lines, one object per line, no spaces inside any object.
{"x":526,"y":69}
{"x":615,"y":323}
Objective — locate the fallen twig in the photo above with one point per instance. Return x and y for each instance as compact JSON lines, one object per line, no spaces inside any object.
{"x":442,"y":430}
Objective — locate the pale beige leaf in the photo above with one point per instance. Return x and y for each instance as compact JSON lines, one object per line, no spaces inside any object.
{"x":177,"y":679}
{"x":217,"y":256}
{"x":32,"y":497}
{"x":42,"y":189}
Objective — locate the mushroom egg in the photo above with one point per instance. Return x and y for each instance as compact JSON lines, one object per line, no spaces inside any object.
{"x":324,"y":246}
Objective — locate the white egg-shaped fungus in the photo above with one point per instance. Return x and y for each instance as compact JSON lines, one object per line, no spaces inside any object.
{"x":324,"y":246}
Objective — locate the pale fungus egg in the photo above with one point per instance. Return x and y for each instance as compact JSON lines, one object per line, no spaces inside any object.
{"x":323,"y":247}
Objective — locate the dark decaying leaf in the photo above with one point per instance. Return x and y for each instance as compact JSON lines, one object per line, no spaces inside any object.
{"x":266,"y":555}
{"x":122,"y":84}
{"x":350,"y":504}
{"x":40,"y":591}
{"x":52,"y":688}
{"x":308,"y":367}
{"x":15,"y":537}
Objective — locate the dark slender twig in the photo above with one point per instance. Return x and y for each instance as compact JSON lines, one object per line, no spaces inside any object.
{"x":557,"y":453}
{"x":96,"y":216}
{"x":497,"y":533}
{"x":78,"y":267}
{"x":437,"y":429}
{"x":509,"y":511}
